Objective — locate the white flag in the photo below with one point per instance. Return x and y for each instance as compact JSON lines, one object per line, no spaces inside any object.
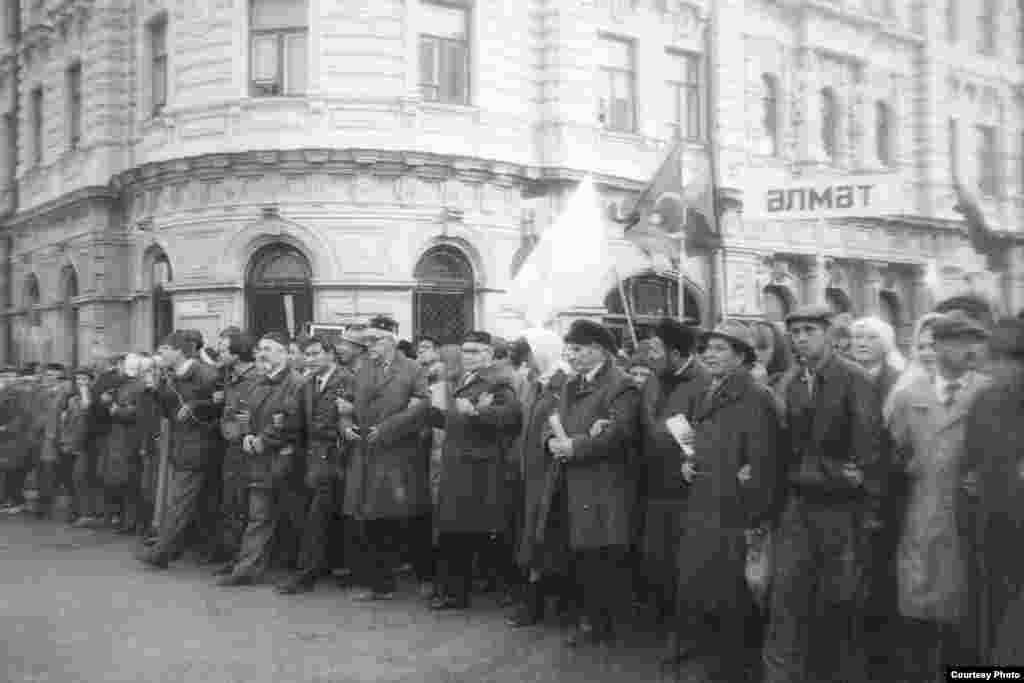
{"x":569,"y":264}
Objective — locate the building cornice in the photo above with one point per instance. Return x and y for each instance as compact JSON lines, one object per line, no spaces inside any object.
{"x":55,"y":207}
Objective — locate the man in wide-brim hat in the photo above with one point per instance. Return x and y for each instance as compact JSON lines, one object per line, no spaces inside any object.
{"x":732,"y":477}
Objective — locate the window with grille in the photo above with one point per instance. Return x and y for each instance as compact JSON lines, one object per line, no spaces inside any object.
{"x":883,"y":133}
{"x":988,"y":161}
{"x":829,"y":123}
{"x":74,"y":78}
{"x":986,"y":33}
{"x":279,"y":32}
{"x":444,"y":299}
{"x":36,"y":118}
{"x":770,"y":115}
{"x":685,"y":90}
{"x":650,"y":298}
{"x":444,"y":54}
{"x":617,"y":103}
{"x":158,"y":65}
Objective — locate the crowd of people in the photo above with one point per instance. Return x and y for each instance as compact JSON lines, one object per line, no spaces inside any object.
{"x":798,"y":490}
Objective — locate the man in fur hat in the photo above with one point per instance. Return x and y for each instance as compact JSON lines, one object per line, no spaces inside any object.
{"x":599,"y":414}
{"x":386,"y":478}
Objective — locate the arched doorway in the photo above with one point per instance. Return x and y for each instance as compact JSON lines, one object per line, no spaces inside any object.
{"x":776,"y":303}
{"x":443,"y":303}
{"x":279,"y":290}
{"x":69,"y":316}
{"x":162,"y":304}
{"x":651,"y":297}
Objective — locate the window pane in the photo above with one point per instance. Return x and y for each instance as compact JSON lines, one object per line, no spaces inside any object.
{"x":882,"y":124}
{"x":443,"y":21}
{"x":617,"y":54}
{"x":692,"y":69}
{"x":159,"y":82}
{"x":264,"y":58}
{"x":158,"y":37}
{"x":268,"y":14}
{"x":953,"y":133}
{"x":988,"y":161}
{"x":295,"y":61}
{"x":693,"y":113}
{"x":455,"y":71}
{"x":828,"y":122}
{"x":428,"y":67}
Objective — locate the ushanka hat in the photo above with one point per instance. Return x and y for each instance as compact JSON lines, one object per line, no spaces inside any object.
{"x":587,"y":332}
{"x":382,"y":326}
{"x":736,"y":333}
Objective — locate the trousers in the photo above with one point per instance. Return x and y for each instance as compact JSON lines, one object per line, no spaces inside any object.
{"x":234,"y":503}
{"x":54,"y":476}
{"x":323,"y":536}
{"x":603,"y":583}
{"x":182,"y":511}
{"x":379,"y":552}
{"x":258,"y":540}
{"x":457,"y":551}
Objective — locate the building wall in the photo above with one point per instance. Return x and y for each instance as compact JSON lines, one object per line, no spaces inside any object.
{"x":363,"y":176}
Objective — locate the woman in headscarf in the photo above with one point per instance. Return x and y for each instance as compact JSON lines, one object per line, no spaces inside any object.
{"x":544,"y":541}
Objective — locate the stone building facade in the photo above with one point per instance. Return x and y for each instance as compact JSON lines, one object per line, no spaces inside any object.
{"x":199,"y":163}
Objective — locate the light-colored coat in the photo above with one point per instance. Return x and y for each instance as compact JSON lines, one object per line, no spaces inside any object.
{"x":929,"y":440}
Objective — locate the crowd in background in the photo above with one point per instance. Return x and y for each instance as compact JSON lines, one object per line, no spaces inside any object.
{"x":801,"y":490}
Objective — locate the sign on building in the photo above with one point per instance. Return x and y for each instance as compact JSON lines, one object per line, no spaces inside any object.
{"x":824,"y":197}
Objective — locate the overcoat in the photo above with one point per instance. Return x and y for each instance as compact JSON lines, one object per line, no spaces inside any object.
{"x":56,"y":401}
{"x":14,"y":426}
{"x":472,"y":488}
{"x":320,"y":426}
{"x":929,"y":443}
{"x":536,"y":549}
{"x":276,"y":417}
{"x":194,"y":440}
{"x":735,"y":427}
{"x":123,"y":463}
{"x":598,"y":479}
{"x":993,"y":522}
{"x":387,"y":479}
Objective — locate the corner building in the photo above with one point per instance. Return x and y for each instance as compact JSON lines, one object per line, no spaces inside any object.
{"x":170,"y":164}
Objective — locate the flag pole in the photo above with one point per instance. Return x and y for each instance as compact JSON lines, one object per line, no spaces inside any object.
{"x":625,"y":308}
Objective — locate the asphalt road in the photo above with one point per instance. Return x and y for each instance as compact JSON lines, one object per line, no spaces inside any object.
{"x":75,"y":607}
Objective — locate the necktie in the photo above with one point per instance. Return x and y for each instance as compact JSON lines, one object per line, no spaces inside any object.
{"x":952,"y":389}
{"x":320,"y":385}
{"x":809,"y":380}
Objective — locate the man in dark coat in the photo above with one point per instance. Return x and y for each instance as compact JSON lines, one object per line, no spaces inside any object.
{"x":482,"y":413}
{"x":732,"y":477}
{"x":108,"y":378}
{"x":831,"y":512}
{"x":238,"y":362}
{"x":598,"y":412}
{"x":675,"y":388}
{"x":993,"y":488}
{"x":185,"y":393}
{"x":273,"y":423}
{"x":328,"y":392}
{"x":384,"y":483}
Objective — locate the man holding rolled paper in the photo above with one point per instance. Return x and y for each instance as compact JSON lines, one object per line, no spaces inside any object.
{"x":592,"y":434}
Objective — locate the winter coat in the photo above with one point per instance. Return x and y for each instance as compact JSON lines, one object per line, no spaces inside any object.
{"x":540,"y":402}
{"x":598,"y":477}
{"x":472,"y":492}
{"x":735,"y":427}
{"x":123,"y":464}
{"x":73,"y":432}
{"x":992,"y":523}
{"x":15,"y":426}
{"x":276,"y":418}
{"x":56,"y":402}
{"x":387,"y":479}
{"x":929,"y":440}
{"x":194,"y":440}
{"x":321,"y":426}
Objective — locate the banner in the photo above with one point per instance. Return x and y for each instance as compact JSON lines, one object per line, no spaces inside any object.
{"x":824,"y":197}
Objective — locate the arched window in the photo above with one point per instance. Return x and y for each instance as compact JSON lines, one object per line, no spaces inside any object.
{"x":883,"y":133}
{"x":444,"y":302}
{"x":162,"y":303}
{"x":651,"y":297}
{"x":776,"y":303}
{"x":279,"y":290}
{"x":770,"y":114}
{"x":32,"y":298}
{"x":69,"y":315}
{"x":829,"y":123}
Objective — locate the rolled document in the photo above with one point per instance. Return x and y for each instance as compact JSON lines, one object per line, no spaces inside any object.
{"x":556,"y":426}
{"x":681,"y":430}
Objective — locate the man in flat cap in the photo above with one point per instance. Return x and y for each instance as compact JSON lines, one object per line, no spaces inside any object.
{"x":674,"y":389}
{"x":927,"y":422}
{"x":185,"y":393}
{"x":599,"y":414}
{"x":272,"y":422}
{"x":385,"y":482}
{"x":830,"y":514}
{"x":478,"y":418}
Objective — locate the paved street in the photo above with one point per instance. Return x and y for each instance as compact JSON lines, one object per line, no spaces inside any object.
{"x":76,"y":607}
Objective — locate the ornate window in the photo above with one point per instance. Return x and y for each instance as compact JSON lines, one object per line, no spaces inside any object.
{"x":685,"y":90}
{"x":617,"y":87}
{"x":650,"y":297}
{"x":36,"y":124}
{"x":279,"y":290}
{"x":158,"y":64}
{"x":444,"y":53}
{"x":444,"y":300}
{"x":829,"y":123}
{"x":278,"y":42}
{"x":74,"y":104}
{"x":69,"y":314}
